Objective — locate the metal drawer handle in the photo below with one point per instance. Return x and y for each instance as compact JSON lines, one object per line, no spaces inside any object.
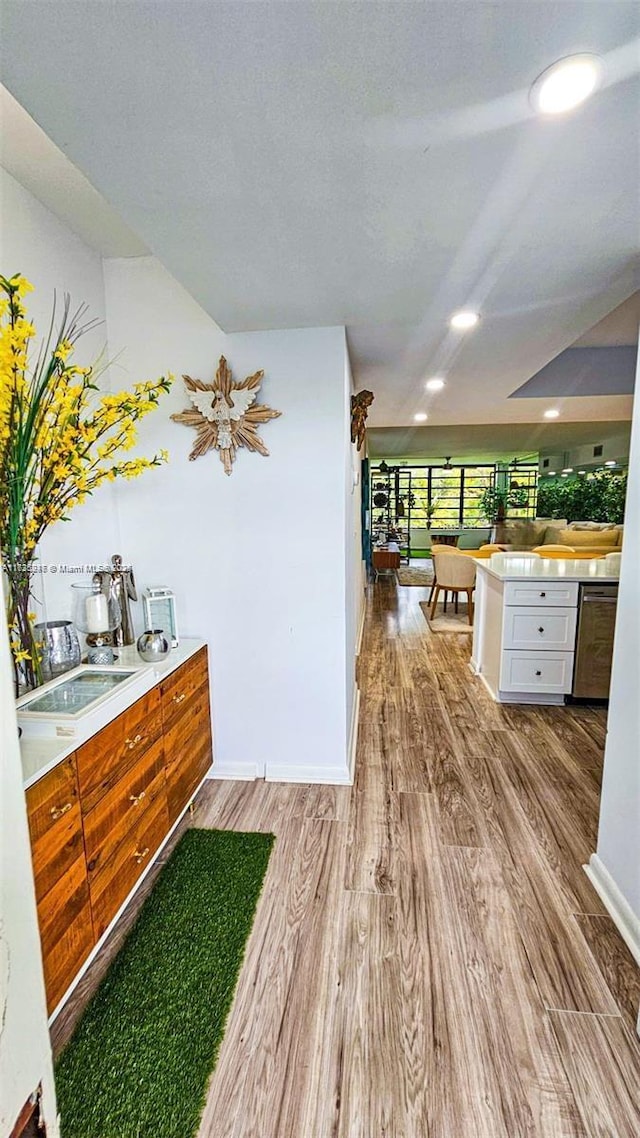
{"x":538,"y":673}
{"x":541,"y":629}
{"x":179,"y":698}
{"x":58,"y":811}
{"x":543,"y":594}
{"x":131,"y":743}
{"x":140,"y":855}
{"x":136,"y":798}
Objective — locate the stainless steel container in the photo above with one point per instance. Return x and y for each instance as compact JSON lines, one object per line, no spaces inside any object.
{"x":153,"y":646}
{"x":60,"y":647}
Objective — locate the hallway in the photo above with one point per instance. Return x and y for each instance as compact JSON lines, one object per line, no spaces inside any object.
{"x":429,"y":958}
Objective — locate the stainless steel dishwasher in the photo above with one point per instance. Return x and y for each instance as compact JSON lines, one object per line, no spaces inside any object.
{"x":594,"y":641}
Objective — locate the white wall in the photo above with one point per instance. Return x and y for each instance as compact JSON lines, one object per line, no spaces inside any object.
{"x":354,"y":565}
{"x":257,"y":559}
{"x":25,"y":1052}
{"x":37,"y":244}
{"x":619,"y":831}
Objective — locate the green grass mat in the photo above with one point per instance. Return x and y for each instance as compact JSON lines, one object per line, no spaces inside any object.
{"x":140,"y":1059}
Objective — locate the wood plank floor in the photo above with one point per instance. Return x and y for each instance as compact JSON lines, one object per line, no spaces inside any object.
{"x":429,"y":959}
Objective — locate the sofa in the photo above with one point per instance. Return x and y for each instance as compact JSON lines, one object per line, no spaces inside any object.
{"x":597,"y":538}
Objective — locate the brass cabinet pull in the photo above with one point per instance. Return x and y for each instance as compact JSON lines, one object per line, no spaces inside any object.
{"x":179,"y":698}
{"x":58,"y":811}
{"x":136,"y":798}
{"x":131,"y":743}
{"x":140,"y":855}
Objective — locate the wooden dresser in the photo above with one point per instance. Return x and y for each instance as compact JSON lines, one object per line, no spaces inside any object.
{"x":99,"y":817}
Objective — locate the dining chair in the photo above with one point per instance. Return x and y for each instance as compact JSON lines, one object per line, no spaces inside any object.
{"x":454,"y":575}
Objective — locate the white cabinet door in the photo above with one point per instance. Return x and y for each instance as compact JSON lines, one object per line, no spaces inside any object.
{"x":546,"y":629}
{"x":541,"y":593}
{"x":545,"y":673}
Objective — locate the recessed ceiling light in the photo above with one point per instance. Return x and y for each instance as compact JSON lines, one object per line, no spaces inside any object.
{"x":582,"y":472}
{"x":563,"y":475}
{"x":611,"y":462}
{"x":566,"y":84}
{"x":567,"y":470}
{"x":551,"y":474}
{"x":420,"y":417}
{"x":552,"y":413}
{"x":464,"y":320}
{"x":435,"y":384}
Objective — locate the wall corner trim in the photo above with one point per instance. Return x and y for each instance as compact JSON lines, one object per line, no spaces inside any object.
{"x":616,"y":904}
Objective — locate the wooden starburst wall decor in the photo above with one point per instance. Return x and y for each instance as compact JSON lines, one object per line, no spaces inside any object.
{"x":224,"y":415}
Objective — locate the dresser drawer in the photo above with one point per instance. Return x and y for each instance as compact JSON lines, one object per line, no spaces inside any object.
{"x":543,"y":672}
{"x":55,"y":825}
{"x":190,"y":754}
{"x":549,"y":629}
{"x":66,"y":930}
{"x":182,"y":685}
{"x":122,"y":807}
{"x":546,"y":594}
{"x":104,"y":758}
{"x":117,"y":877}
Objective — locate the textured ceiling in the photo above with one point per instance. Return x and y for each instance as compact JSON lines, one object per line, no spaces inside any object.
{"x":490,"y":442}
{"x":370,"y":164}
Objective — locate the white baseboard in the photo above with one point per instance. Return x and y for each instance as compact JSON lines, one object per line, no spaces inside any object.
{"x":361,"y":628}
{"x":616,"y":904}
{"x":328,"y":776}
{"x":241,"y":772}
{"x":353,"y":734}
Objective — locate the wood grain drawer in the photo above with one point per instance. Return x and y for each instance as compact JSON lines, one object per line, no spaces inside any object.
{"x":190,"y":762}
{"x":116,"y":879}
{"x":544,"y":672}
{"x":182,"y":685}
{"x":122,"y":807}
{"x":546,"y":594}
{"x":55,"y":825}
{"x":549,"y":629}
{"x":66,"y":930}
{"x":102,"y":760}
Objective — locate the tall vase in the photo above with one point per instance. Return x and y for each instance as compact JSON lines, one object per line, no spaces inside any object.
{"x":26,"y":658}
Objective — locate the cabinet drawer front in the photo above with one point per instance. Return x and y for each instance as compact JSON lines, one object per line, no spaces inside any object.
{"x":552,"y":629}
{"x":544,"y":672}
{"x":55,"y":826}
{"x":182,"y":685}
{"x":116,"y":879}
{"x":66,"y":930}
{"x":543,"y":593}
{"x":191,"y":756}
{"x":122,"y":807}
{"x":113,"y":750}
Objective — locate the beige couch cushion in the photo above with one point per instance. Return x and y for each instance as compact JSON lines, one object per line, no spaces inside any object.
{"x":592,"y":539}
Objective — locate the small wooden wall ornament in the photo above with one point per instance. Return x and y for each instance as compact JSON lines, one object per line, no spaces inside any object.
{"x":360,"y":405}
{"x":225,"y":416}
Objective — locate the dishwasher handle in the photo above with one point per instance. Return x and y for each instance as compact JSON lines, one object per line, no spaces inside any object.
{"x":590,"y":599}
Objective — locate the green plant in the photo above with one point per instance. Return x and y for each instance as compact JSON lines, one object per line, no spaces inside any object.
{"x":597,"y":497}
{"x":496,"y":500}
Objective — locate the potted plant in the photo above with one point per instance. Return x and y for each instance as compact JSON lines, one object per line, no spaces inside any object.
{"x":60,"y":438}
{"x":430,"y":511}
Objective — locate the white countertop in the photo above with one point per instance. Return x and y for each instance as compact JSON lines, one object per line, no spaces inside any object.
{"x":514,"y":568}
{"x":40,"y":755}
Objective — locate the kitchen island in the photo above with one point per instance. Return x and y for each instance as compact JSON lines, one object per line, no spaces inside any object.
{"x":526,"y":621}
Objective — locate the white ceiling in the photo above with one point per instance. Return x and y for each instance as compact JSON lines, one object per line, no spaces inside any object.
{"x":371,"y":164}
{"x":493,"y":442}
{"x":39,"y":165}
